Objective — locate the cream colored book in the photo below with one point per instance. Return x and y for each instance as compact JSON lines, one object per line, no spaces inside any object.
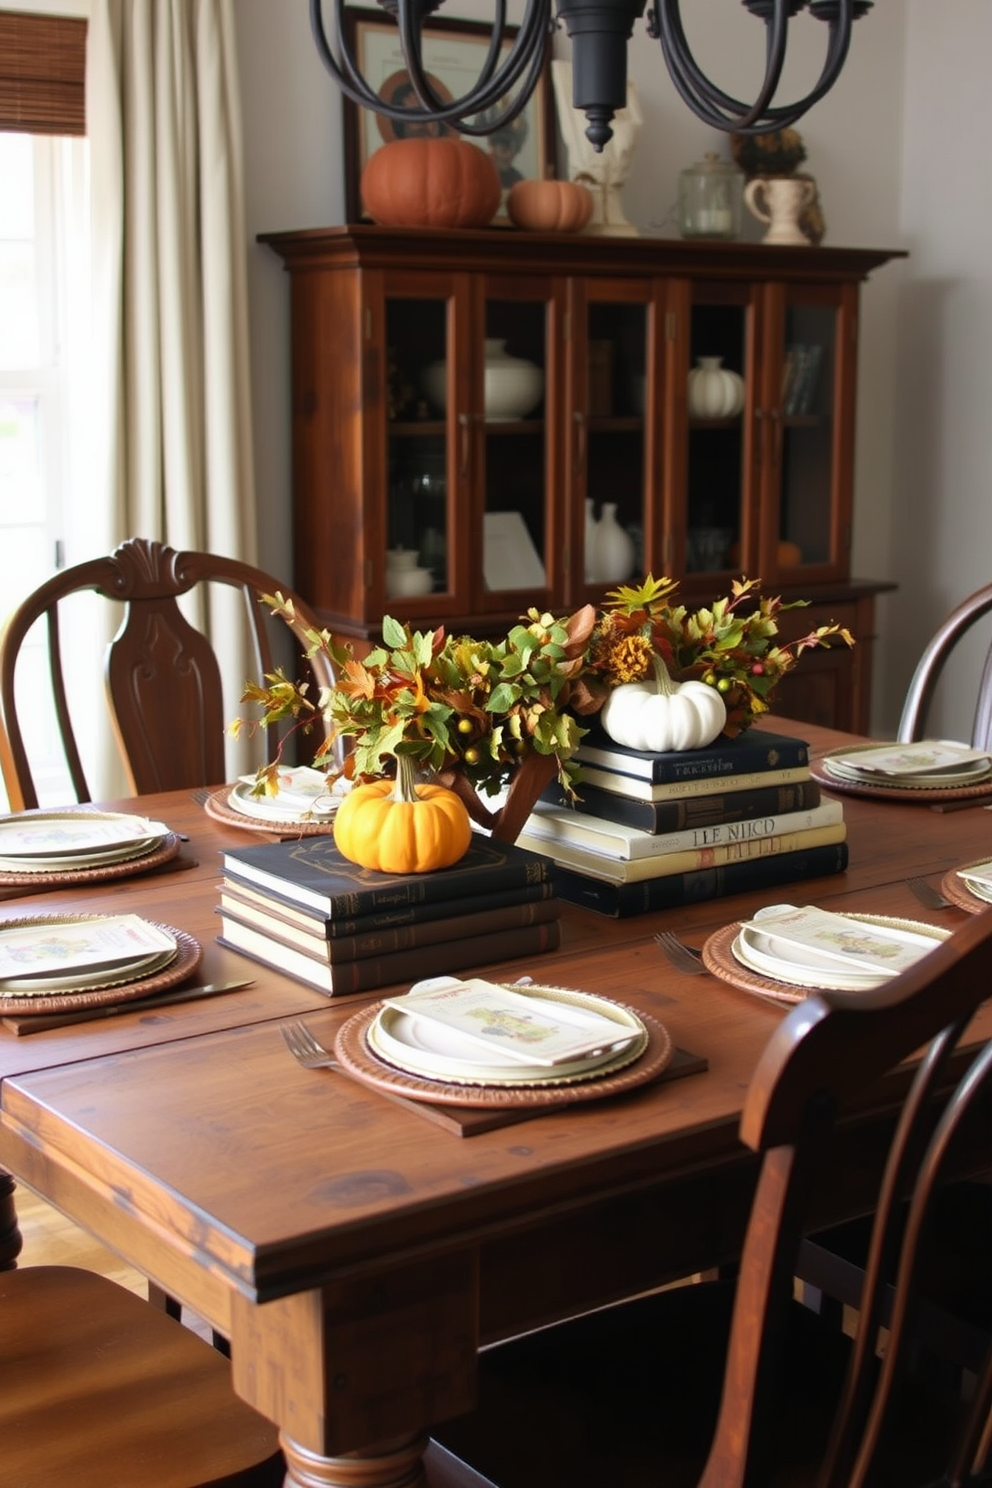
{"x":624,"y":870}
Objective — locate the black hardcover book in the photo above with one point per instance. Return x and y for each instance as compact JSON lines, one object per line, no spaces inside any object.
{"x":312,"y":872}
{"x":315,"y":943}
{"x":755,"y":749}
{"x":402,"y":966}
{"x":621,"y":900}
{"x":690,"y":811}
{"x":316,"y":922}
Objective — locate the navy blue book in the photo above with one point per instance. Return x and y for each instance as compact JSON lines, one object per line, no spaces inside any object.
{"x":623,"y":899}
{"x":677,"y":815}
{"x":755,"y":749}
{"x":311,"y":871}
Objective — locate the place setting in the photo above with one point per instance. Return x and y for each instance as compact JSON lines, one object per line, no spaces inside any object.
{"x":928,"y":772}
{"x":473,"y":1055}
{"x":786,"y":952}
{"x":304,"y":801}
{"x":969,"y":887}
{"x":76,"y":845}
{"x":73,"y":963}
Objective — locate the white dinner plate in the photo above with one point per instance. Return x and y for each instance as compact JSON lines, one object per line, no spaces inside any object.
{"x":771,"y":957}
{"x":275,"y":809}
{"x":45,"y":842}
{"x":430,"y":1050}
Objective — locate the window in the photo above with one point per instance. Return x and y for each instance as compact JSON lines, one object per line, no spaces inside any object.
{"x":44,"y":300}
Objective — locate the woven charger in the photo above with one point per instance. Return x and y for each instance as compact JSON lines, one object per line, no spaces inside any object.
{"x":123,"y":868}
{"x":216,"y":805}
{"x":351,"y":1048}
{"x":719,"y":958}
{"x":907,"y":795}
{"x":958,"y":892}
{"x":189,"y":954}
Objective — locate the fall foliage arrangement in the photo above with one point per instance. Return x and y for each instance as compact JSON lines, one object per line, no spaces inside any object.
{"x":468,"y":712}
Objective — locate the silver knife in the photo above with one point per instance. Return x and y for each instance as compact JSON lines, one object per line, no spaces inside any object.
{"x":39,"y":1022}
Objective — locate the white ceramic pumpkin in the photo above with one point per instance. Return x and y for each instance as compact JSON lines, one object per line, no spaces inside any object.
{"x":660,"y":714}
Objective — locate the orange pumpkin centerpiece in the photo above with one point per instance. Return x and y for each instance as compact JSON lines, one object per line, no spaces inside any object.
{"x":398,"y":826}
{"x":425,"y":182}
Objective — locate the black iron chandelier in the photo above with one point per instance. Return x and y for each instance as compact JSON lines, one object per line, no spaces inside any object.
{"x":599,"y":31}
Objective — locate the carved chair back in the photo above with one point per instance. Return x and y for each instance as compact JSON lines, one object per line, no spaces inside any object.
{"x":163,"y":681}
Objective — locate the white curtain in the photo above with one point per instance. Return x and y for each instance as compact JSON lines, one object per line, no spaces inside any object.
{"x":170,"y":431}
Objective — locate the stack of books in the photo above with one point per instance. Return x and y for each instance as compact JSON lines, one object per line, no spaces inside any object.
{"x":305,"y":910}
{"x":656,"y":830}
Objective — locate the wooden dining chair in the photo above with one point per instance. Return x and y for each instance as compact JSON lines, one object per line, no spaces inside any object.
{"x":162,"y":678}
{"x":734,"y":1385}
{"x":100,"y":1388}
{"x":922,"y":688}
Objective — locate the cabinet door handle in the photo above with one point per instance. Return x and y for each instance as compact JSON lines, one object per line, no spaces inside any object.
{"x":580,"y":440}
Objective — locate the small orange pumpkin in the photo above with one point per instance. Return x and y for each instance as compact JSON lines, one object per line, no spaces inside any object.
{"x":549,"y":206}
{"x":427,"y":182}
{"x":397,"y":826}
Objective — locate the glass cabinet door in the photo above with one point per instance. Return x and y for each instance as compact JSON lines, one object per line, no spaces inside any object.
{"x":808,"y":499}
{"x":612,"y":437}
{"x":511,"y":420}
{"x":716,"y":538}
{"x":418,"y":557}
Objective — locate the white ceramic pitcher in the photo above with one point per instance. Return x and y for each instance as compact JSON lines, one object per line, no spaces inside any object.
{"x":780,"y":201}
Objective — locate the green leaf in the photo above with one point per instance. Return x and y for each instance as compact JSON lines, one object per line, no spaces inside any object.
{"x":502,"y":698}
{"x":393,"y":633}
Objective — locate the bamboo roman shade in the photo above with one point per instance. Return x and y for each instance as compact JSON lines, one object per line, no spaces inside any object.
{"x":42,"y":73}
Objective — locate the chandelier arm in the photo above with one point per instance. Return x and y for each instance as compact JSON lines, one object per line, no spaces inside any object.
{"x":411,"y":44}
{"x":514,"y":109}
{"x":719,"y":109}
{"x":347,"y":77}
{"x":528,"y":51}
{"x":838,"y":46}
{"x":695,"y":88}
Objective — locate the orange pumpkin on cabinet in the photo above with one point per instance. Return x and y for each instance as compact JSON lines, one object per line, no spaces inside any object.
{"x":426,"y":182}
{"x":549,"y":206}
{"x":788,"y":555}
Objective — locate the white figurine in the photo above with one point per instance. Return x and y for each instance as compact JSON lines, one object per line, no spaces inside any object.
{"x":603,"y":173}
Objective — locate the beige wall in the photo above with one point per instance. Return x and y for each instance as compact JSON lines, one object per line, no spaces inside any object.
{"x":891,"y":149}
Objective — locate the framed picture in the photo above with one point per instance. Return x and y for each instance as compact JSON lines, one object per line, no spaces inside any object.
{"x":454,"y":51}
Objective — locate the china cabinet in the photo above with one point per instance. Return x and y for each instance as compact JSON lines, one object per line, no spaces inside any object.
{"x":464,"y":396}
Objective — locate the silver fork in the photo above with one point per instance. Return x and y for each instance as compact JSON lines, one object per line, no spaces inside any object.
{"x":927,"y":894}
{"x":306,"y":1050}
{"x":683,"y":957}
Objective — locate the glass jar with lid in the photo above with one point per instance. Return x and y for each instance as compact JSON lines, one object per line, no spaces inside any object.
{"x":711,"y":195}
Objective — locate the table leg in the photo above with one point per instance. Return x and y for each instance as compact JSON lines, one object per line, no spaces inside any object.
{"x":354,"y":1373}
{"x":393,"y":1465}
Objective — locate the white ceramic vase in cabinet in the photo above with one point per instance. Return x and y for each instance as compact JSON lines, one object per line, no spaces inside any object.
{"x":714,"y":391}
{"x":612,"y":557}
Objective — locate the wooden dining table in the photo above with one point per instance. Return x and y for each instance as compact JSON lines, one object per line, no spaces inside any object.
{"x":358,"y":1253}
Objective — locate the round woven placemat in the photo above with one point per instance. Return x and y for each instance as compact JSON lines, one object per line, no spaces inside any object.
{"x":189,"y":954}
{"x":958,"y":892}
{"x":719,"y":958}
{"x":351,"y":1048}
{"x":125,"y":868}
{"x":216,"y":805}
{"x":906,"y":795}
